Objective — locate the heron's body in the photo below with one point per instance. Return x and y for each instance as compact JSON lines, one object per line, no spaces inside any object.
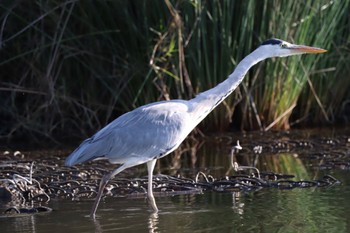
{"x":155,"y":129}
{"x":152,"y":131}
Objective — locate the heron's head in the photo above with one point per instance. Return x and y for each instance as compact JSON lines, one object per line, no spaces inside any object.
{"x":280,"y":48}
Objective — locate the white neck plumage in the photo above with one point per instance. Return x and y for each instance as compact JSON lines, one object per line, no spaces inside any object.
{"x":206,"y":101}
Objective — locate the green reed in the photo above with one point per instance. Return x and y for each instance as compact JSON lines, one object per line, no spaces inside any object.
{"x":315,"y":23}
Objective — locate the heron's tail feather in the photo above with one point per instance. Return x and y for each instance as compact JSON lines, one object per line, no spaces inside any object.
{"x":84,"y":153}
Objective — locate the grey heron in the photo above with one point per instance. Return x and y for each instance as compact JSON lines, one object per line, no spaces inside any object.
{"x":152,"y":131}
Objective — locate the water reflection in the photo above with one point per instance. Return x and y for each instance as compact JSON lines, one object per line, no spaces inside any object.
{"x":18,"y":224}
{"x":237,"y":204}
{"x":152,"y":225}
{"x":299,"y":210}
{"x":98,"y":227}
{"x":153,"y":222}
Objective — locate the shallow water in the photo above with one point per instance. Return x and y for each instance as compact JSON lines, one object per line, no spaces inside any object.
{"x":298,"y":210}
{"x":317,"y":209}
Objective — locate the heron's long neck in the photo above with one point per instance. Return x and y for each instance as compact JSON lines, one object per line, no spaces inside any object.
{"x":206,"y":101}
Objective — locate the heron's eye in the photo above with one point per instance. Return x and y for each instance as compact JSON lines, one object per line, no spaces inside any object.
{"x":284,"y":46}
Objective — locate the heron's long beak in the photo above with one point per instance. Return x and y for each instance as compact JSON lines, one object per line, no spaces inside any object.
{"x":307,"y":49}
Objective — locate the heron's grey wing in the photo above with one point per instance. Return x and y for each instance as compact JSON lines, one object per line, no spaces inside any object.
{"x":148,"y":132}
{"x":94,"y":147}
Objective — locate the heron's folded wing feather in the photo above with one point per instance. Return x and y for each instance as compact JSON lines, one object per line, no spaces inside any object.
{"x":145,"y":133}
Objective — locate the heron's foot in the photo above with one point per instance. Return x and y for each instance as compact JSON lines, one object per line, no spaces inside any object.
{"x":93,"y":215}
{"x":96,"y":203}
{"x":102,"y":186}
{"x":153,"y":204}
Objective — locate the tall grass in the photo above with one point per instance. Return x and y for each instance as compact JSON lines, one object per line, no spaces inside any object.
{"x":69,"y":67}
{"x":314,"y":22}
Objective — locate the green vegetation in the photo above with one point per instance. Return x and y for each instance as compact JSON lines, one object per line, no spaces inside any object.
{"x":70,"y":67}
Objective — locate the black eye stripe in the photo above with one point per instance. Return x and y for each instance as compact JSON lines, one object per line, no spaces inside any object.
{"x":272,"y":42}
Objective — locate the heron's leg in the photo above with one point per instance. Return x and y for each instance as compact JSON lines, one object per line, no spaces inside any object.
{"x":150,"y":168}
{"x":102,"y":186}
